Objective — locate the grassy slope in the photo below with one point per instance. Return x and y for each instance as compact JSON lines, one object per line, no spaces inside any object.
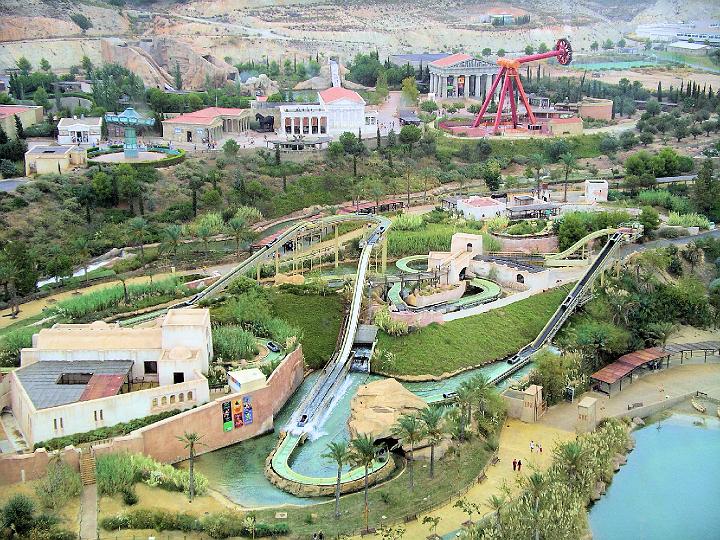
{"x":319,"y":319}
{"x":475,"y":340}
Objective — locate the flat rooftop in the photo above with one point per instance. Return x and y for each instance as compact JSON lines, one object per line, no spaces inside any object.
{"x":51,"y":384}
{"x":50,"y":150}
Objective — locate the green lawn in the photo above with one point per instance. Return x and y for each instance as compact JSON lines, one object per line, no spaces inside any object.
{"x":480,"y":339}
{"x":392,"y":500}
{"x":318,"y":317}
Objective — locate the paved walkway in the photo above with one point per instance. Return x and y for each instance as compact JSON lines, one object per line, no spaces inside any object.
{"x":89,"y":513}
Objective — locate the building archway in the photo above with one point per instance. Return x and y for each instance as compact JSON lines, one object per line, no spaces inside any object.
{"x":520,"y":278}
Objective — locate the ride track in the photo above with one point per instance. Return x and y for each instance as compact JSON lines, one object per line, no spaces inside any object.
{"x":328,"y":386}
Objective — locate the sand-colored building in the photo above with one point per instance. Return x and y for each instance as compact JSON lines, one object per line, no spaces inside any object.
{"x":42,"y":159}
{"x":207,"y":125}
{"x":79,"y":377}
{"x":29,"y":115}
{"x":565,"y":126}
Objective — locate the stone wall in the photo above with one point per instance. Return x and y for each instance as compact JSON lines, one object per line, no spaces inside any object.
{"x":547,"y":243}
{"x":654,"y":408}
{"x":24,"y":467}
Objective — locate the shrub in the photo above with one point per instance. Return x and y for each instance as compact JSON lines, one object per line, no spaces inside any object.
{"x":123,"y":428}
{"x":8,"y":169}
{"x":129,"y":496}
{"x":408,"y":222}
{"x":60,"y":484}
{"x":19,"y":514}
{"x":688,"y":220}
{"x":388,"y":325}
{"x":81,"y":20}
{"x":118,"y":472}
{"x":12,"y":343}
{"x":233,"y":343}
{"x":498,"y":223}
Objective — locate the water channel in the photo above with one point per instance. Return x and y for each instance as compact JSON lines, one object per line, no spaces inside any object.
{"x":237,"y":471}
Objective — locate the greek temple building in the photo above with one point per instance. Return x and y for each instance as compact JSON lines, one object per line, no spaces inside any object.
{"x":461,"y":76}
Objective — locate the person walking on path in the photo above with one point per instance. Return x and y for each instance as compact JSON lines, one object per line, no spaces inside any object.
{"x":539,"y":448}
{"x":519,"y":465}
{"x":532,"y":446}
{"x":514,"y":464}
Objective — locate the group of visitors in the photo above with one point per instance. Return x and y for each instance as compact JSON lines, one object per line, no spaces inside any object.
{"x":319,"y":536}
{"x":534,"y":447}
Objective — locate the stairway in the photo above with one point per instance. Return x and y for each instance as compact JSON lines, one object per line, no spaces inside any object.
{"x":87,"y":467}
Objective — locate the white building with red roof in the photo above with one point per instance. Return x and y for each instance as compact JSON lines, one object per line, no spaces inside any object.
{"x":207,"y":125}
{"x":461,"y":76}
{"x":338,"y":110}
{"x":481,"y":207}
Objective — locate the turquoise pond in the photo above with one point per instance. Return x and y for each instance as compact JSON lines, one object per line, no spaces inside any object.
{"x":670,"y":487}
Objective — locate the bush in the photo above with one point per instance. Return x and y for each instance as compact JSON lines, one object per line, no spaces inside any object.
{"x":224,"y":525}
{"x":60,"y":484}
{"x":498,"y":223}
{"x":123,"y":428}
{"x":12,"y":343}
{"x":129,"y":496}
{"x":8,"y":169}
{"x":688,"y":220}
{"x":233,"y":343}
{"x":81,"y":20}
{"x":408,"y":222}
{"x":118,"y":472}
{"x":19,"y":514}
{"x":109,"y":299}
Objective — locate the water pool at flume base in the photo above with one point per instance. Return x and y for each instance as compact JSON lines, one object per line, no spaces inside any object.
{"x":237,"y":471}
{"x":670,"y":487}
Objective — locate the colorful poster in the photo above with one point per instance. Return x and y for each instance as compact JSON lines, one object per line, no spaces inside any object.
{"x":237,"y":412}
{"x":247,"y":410}
{"x":227,"y":416}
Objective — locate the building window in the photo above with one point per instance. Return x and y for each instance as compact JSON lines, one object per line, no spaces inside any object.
{"x":181,"y":397}
{"x":190,"y":397}
{"x":101,"y":415}
{"x":163,"y":401}
{"x":61,"y":423}
{"x":55,"y":423}
{"x":155,"y":402}
{"x":520,"y":278}
{"x":96,"y":418}
{"x":178,"y":377}
{"x":150,"y":368}
{"x":172,"y":399}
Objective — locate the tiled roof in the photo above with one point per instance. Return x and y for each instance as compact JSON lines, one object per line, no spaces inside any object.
{"x":482,"y":201}
{"x":40,"y":380}
{"x":204,"y":116}
{"x":9,"y":110}
{"x":336,"y":93}
{"x":451,"y":60}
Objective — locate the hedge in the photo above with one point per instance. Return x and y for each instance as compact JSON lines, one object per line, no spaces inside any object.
{"x":123,"y":428}
{"x":223,"y":525}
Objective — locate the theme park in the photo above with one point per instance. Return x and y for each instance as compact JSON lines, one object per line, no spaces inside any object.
{"x":367,"y":292}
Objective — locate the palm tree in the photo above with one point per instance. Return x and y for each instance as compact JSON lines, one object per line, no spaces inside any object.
{"x":339,"y":453}
{"x":172,"y":236}
{"x":464,"y":398}
{"x":692,"y":254}
{"x":237,"y":227}
{"x":569,"y":163}
{"x":363,"y":454}
{"x":571,"y":457}
{"x":204,"y":233}
{"x":250,"y":525}
{"x":138,"y":229}
{"x":189,"y":440}
{"x":497,"y":504}
{"x":535,"y":486}
{"x":537,"y":162}
{"x":432,"y":418}
{"x":410,"y":430}
{"x":82,"y":248}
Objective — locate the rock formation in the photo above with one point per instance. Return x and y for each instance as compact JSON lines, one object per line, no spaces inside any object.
{"x":377,"y":406}
{"x":155,"y":59}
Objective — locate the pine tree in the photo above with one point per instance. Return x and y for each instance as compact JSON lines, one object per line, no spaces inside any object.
{"x":659,"y":92}
{"x":19,"y":130}
{"x":3,"y":136}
